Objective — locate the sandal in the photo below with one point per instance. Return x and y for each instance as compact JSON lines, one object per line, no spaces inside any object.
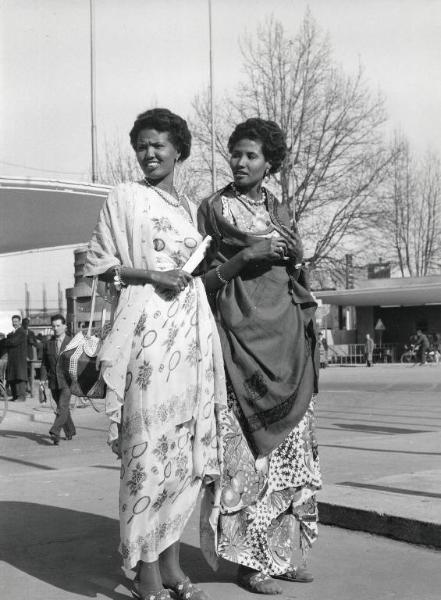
{"x":299,"y":575}
{"x":185,"y":590}
{"x":160,"y":595}
{"x":257,"y":583}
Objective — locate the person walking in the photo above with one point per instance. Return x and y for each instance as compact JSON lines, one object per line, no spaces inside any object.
{"x":17,"y":368}
{"x":31,"y":350}
{"x":369,"y":346}
{"x":3,"y":358}
{"x":52,"y":373}
{"x":266,"y":509}
{"x":423,"y":344}
{"x":162,"y":359}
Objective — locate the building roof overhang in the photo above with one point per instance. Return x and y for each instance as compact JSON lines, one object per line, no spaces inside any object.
{"x":406,"y":291}
{"x":41,"y":213}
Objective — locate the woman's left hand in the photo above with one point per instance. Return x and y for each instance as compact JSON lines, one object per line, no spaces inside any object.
{"x":294,"y":246}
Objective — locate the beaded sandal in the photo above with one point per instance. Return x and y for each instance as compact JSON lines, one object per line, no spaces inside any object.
{"x":300,"y":575}
{"x":185,"y":590}
{"x":160,"y":595}
{"x":257,"y":583}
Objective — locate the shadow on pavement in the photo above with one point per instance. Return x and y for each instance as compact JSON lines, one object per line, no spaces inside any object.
{"x":41,"y":439}
{"x":71,"y":550}
{"x":195,"y":566}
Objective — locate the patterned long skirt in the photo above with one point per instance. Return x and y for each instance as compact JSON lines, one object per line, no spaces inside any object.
{"x":158,"y":493}
{"x":268,"y":511}
{"x":168,"y":425}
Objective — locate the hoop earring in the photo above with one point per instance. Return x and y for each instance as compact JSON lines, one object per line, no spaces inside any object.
{"x":266,"y":175}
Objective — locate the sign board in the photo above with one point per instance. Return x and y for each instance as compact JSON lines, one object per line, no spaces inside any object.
{"x":379,"y":326}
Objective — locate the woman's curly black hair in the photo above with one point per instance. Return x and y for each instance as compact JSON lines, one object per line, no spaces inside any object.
{"x":163,"y":119}
{"x":268,"y":133}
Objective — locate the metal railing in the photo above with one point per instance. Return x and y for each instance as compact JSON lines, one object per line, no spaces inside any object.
{"x":353,"y":354}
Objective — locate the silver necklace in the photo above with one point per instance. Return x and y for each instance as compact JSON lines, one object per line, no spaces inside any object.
{"x":163,"y":194}
{"x":244,"y":197}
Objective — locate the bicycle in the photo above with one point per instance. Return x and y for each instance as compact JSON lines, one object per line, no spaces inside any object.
{"x":410,"y":355}
{"x":3,"y":401}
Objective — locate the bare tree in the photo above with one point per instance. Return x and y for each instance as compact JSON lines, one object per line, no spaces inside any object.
{"x":411,"y":211}
{"x":120,"y":165}
{"x":334,"y":130}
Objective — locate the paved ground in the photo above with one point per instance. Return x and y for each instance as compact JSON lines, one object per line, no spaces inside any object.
{"x":379,"y":431}
{"x":380,"y":441}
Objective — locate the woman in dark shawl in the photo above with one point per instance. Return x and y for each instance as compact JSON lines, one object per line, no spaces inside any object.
{"x":265,"y":513}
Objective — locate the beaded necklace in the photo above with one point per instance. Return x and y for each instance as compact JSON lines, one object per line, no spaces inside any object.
{"x":163,"y":195}
{"x":178,"y":204}
{"x":244,"y":198}
{"x":259,"y":221}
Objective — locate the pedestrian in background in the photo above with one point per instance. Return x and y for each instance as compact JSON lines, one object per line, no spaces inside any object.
{"x":323,"y":347}
{"x":17,"y":368}
{"x":58,"y":385}
{"x":423,"y":346}
{"x":3,"y":357}
{"x":369,"y":350}
{"x":31,"y":352}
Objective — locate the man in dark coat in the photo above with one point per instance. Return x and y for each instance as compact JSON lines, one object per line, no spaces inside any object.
{"x":58,"y":385}
{"x":3,"y":357}
{"x":423,"y":345}
{"x":31,"y":351}
{"x":17,"y":369}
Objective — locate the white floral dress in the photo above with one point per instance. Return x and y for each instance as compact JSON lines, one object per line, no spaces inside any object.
{"x":168,"y":424}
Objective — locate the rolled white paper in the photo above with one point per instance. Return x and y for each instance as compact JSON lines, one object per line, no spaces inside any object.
{"x":197,"y":256}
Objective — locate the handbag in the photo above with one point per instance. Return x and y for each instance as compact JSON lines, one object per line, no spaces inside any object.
{"x":79,"y":358}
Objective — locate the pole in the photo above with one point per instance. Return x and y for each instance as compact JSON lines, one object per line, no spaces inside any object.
{"x":213,"y":132}
{"x":92,"y":91}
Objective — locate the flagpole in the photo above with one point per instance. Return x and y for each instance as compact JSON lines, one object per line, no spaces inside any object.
{"x":92,"y":92}
{"x":213,"y":131}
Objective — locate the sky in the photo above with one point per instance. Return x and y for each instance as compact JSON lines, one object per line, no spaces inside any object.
{"x":155,"y":53}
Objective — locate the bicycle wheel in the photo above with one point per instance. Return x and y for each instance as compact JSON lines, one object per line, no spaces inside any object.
{"x":3,"y":402}
{"x":406,"y":357}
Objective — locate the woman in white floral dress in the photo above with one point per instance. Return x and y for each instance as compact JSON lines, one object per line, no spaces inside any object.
{"x":161,"y":361}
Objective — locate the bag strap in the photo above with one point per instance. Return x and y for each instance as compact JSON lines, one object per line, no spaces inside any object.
{"x":92,"y":304}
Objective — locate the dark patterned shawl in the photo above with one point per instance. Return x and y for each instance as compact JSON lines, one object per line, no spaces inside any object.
{"x":265,"y":318}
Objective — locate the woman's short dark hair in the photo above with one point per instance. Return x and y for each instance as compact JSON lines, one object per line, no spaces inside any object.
{"x":163,"y":119}
{"x":268,"y":133}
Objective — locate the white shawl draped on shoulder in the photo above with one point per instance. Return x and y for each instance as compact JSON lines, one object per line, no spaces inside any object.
{"x":122,"y":236}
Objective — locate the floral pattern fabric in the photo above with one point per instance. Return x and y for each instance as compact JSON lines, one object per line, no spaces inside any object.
{"x":268,"y":511}
{"x":174,"y":377}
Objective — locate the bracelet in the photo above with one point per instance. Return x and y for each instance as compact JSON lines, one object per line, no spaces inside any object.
{"x":221,"y":279}
{"x":117,"y":279}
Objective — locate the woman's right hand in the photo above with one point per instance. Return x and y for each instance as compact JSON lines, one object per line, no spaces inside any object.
{"x":266,"y":250}
{"x":175,"y":280}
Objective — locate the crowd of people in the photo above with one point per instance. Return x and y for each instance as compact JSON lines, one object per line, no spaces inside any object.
{"x":19,"y":350}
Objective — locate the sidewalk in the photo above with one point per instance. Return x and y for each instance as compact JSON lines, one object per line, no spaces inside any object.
{"x":380,"y":447}
{"x":379,"y":433}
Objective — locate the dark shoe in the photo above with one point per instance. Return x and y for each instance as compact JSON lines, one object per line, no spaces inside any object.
{"x":299,"y":575}
{"x":258,"y":583}
{"x":160,"y":595}
{"x":55,"y":439}
{"x":69,"y":437}
{"x":185,"y":590}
